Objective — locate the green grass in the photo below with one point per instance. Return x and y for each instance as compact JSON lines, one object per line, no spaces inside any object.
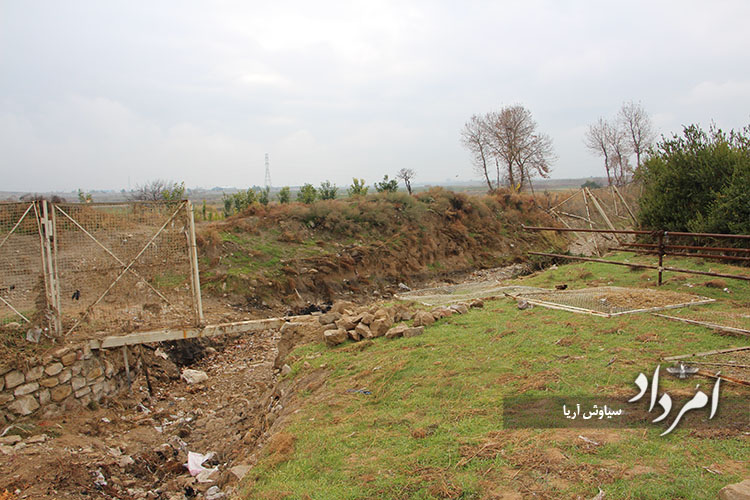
{"x":437,"y":401}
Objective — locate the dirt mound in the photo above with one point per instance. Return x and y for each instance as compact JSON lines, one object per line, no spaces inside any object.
{"x":287,"y":257}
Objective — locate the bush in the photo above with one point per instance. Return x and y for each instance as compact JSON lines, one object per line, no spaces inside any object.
{"x":357,"y":188}
{"x":263,"y":195}
{"x":307,"y":194}
{"x":285,"y":195}
{"x":698,"y":182}
{"x":328,"y":191}
{"x":386,"y":186}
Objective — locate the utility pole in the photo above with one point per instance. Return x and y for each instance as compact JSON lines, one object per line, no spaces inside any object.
{"x":268,"y":173}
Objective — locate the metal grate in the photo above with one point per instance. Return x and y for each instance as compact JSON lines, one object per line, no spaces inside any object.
{"x":733,"y":363}
{"x":22,"y":291}
{"x":611,"y":301}
{"x":460,"y":293}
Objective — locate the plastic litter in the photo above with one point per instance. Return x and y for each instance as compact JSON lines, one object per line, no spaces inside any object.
{"x":361,"y":391}
{"x":195,"y":466}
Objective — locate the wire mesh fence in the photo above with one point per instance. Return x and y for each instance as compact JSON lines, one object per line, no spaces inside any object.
{"x":734,"y":363}
{"x":611,"y":301}
{"x":124,"y":266}
{"x":738,"y":320}
{"x":22,"y":289}
{"x":86,"y":268}
{"x":452,"y":294}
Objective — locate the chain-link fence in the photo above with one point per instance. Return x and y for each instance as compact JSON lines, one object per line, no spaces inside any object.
{"x":101,"y":267}
{"x":22,"y":286}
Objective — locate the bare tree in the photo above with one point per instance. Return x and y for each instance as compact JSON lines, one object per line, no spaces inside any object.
{"x":636,"y":123}
{"x":597,"y":139}
{"x":620,"y":151}
{"x":475,"y":138}
{"x":158,"y":190}
{"x":406,"y":175}
{"x":509,"y":139}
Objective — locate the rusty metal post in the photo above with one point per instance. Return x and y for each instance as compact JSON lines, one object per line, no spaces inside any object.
{"x":660,"y":249}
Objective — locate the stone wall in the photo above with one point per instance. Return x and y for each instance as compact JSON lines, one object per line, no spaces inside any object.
{"x":64,"y":378}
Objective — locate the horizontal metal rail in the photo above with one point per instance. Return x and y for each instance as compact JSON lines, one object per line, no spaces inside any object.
{"x":576,"y":230}
{"x":645,"y":266}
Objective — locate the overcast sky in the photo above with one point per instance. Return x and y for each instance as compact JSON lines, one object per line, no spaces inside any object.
{"x":96,"y":94}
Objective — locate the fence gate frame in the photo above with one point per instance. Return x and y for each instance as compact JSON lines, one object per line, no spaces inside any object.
{"x":46,"y":213}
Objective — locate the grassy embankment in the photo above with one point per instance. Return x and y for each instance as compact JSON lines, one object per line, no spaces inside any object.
{"x":432,"y":427}
{"x":281,"y":253}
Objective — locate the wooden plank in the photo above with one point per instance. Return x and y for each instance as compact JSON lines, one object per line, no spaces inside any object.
{"x":252,"y":325}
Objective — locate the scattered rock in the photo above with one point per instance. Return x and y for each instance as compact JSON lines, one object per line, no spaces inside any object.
{"x":367,"y":318}
{"x":286,"y":370}
{"x":522,"y":304}
{"x":413,"y":331}
{"x":478,"y":303}
{"x":403,"y":287}
{"x":364,"y":331}
{"x":346,"y":323}
{"x":460,"y":308}
{"x":329,"y":317}
{"x":341,"y":306}
{"x":379,"y":327}
{"x":193,"y":376}
{"x":353,"y":335}
{"x":423,"y":318}
{"x":396,"y":331}
{"x":334,"y":337}
{"x":737,"y":491}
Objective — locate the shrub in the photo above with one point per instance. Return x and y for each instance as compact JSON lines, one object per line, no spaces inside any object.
{"x":386,"y":186}
{"x":357,"y":188}
{"x":328,"y":191}
{"x":307,"y":194}
{"x":284,"y":195}
{"x":263,"y":197}
{"x":698,"y":182}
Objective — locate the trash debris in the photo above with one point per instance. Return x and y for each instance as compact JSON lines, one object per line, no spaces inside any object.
{"x":195,"y":466}
{"x":161,"y":353}
{"x":193,"y":376}
{"x":682,"y":370}
{"x":589,"y":441}
{"x":34,"y":334}
{"x":361,"y":391}
{"x":214,"y":493}
{"x":404,"y":286}
{"x":599,"y":496}
{"x":99,"y":480}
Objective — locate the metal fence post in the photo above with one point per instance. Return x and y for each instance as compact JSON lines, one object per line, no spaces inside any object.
{"x":196,"y":281}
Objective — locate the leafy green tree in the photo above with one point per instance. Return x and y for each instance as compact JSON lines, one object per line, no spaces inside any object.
{"x":386,"y":185}
{"x":263,"y":195}
{"x":590,"y":184}
{"x":84,"y":197}
{"x":357,"y":188}
{"x":307,"y":194}
{"x":328,"y":191}
{"x":698,"y":182}
{"x":285,"y":194}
